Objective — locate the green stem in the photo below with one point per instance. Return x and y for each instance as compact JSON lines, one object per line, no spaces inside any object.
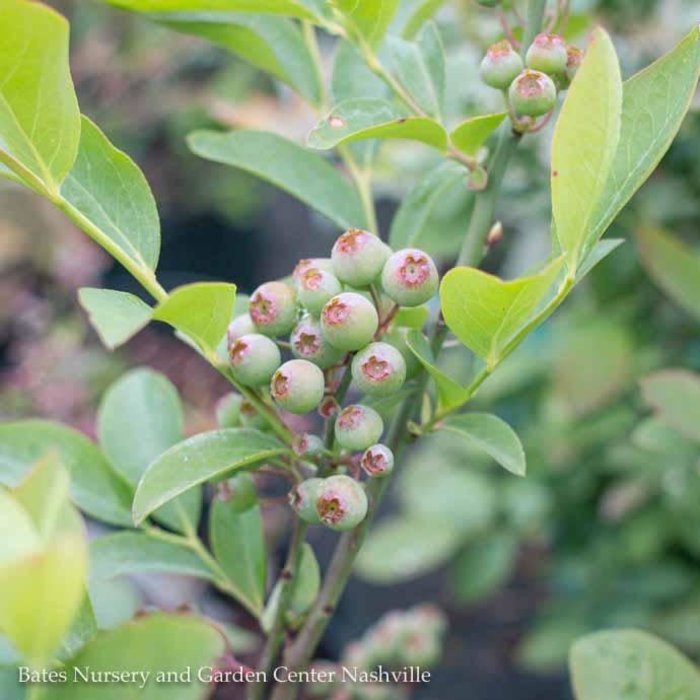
{"x":363,"y":185}
{"x":275,"y":638}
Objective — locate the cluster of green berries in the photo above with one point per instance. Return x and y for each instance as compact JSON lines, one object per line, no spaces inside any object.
{"x":550,"y":65}
{"x":401,"y":638}
{"x":336,"y":313}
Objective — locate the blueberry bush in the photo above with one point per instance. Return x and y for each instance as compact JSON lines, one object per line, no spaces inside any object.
{"x":357,"y":338}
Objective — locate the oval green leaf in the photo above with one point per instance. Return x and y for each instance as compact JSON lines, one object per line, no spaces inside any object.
{"x":471,"y":134}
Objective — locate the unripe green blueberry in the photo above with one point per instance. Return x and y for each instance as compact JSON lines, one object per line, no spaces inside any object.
{"x":309,"y":343}
{"x":547,"y":54}
{"x":574,"y":56}
{"x":501,"y":65}
{"x":532,"y":93}
{"x":240,"y":326}
{"x":250,"y":416}
{"x":316,"y":288}
{"x":410,"y":277}
{"x":357,"y":427}
{"x":298,"y":386}
{"x":302,"y":499}
{"x":397,"y":338}
{"x":379,"y":369}
{"x":228,"y":410}
{"x":378,"y":460}
{"x":349,"y":321}
{"x":307,"y":445}
{"x":239,"y":492}
{"x":358,"y":257}
{"x":305,"y":264}
{"x":254,"y":359}
{"x":273,"y":308}
{"x":341,"y":503}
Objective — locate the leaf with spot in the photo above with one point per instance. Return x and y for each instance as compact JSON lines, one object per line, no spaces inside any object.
{"x":356,"y":120}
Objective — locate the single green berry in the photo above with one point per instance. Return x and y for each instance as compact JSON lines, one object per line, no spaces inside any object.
{"x":378,"y":460}
{"x":547,"y":54}
{"x":303,"y":499}
{"x":357,"y":427}
{"x":501,"y":65}
{"x":358,"y":257}
{"x":254,"y":359}
{"x":379,"y":369}
{"x":316,"y":288}
{"x":397,"y":338}
{"x":298,"y":386}
{"x":309,"y":343}
{"x":228,"y":410}
{"x":273,"y":308}
{"x":239,"y":492}
{"x":532,"y":93}
{"x":305,"y":264}
{"x":410,"y":277}
{"x":574,"y":56}
{"x":349,"y":321}
{"x":251,"y":417}
{"x":341,"y":503}
{"x":240,"y":326}
{"x":307,"y":445}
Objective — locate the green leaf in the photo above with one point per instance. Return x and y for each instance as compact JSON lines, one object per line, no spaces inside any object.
{"x":39,"y":115}
{"x":306,"y":588}
{"x":56,"y":570}
{"x":95,"y":487}
{"x":201,"y":311}
{"x":301,"y":9}
{"x":412,"y":15}
{"x":107,"y":191}
{"x":115,"y":316}
{"x":631,"y":664}
{"x":654,"y":104}
{"x":273,"y":44}
{"x":411,"y":317}
{"x":597,"y":254}
{"x":451,"y":394}
{"x":199,"y":459}
{"x":304,"y":175}
{"x":368,"y":19}
{"x":400,"y":549}
{"x":675,"y":396}
{"x":83,"y":628}
{"x":486,"y":313}
{"x":238,"y":542}
{"x":410,"y":224}
{"x":673,"y":266}
{"x":139,"y":418}
{"x":584,"y":143}
{"x":420,"y":67}
{"x":151,"y":645}
{"x":128,"y":553}
{"x":491,"y":435}
{"x":484,"y":567}
{"x":356,"y":120}
{"x":470,"y":135}
{"x":352,"y":79}
{"x":19,"y":536}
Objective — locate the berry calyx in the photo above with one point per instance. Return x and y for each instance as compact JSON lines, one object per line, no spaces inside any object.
{"x":305,"y":264}
{"x":273,"y":308}
{"x":302,"y":499}
{"x":547,"y":54}
{"x":501,"y":65}
{"x":341,"y":503}
{"x":308,"y":343}
{"x":316,"y":287}
{"x":241,"y":325}
{"x":532,"y":93}
{"x":349,"y":321}
{"x":378,"y":460}
{"x":307,"y":445}
{"x":379,"y":369}
{"x":254,"y":359}
{"x":357,"y":427}
{"x":228,"y":410}
{"x":574,"y":56}
{"x":298,"y":386}
{"x":410,"y":277}
{"x":358,"y":257}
